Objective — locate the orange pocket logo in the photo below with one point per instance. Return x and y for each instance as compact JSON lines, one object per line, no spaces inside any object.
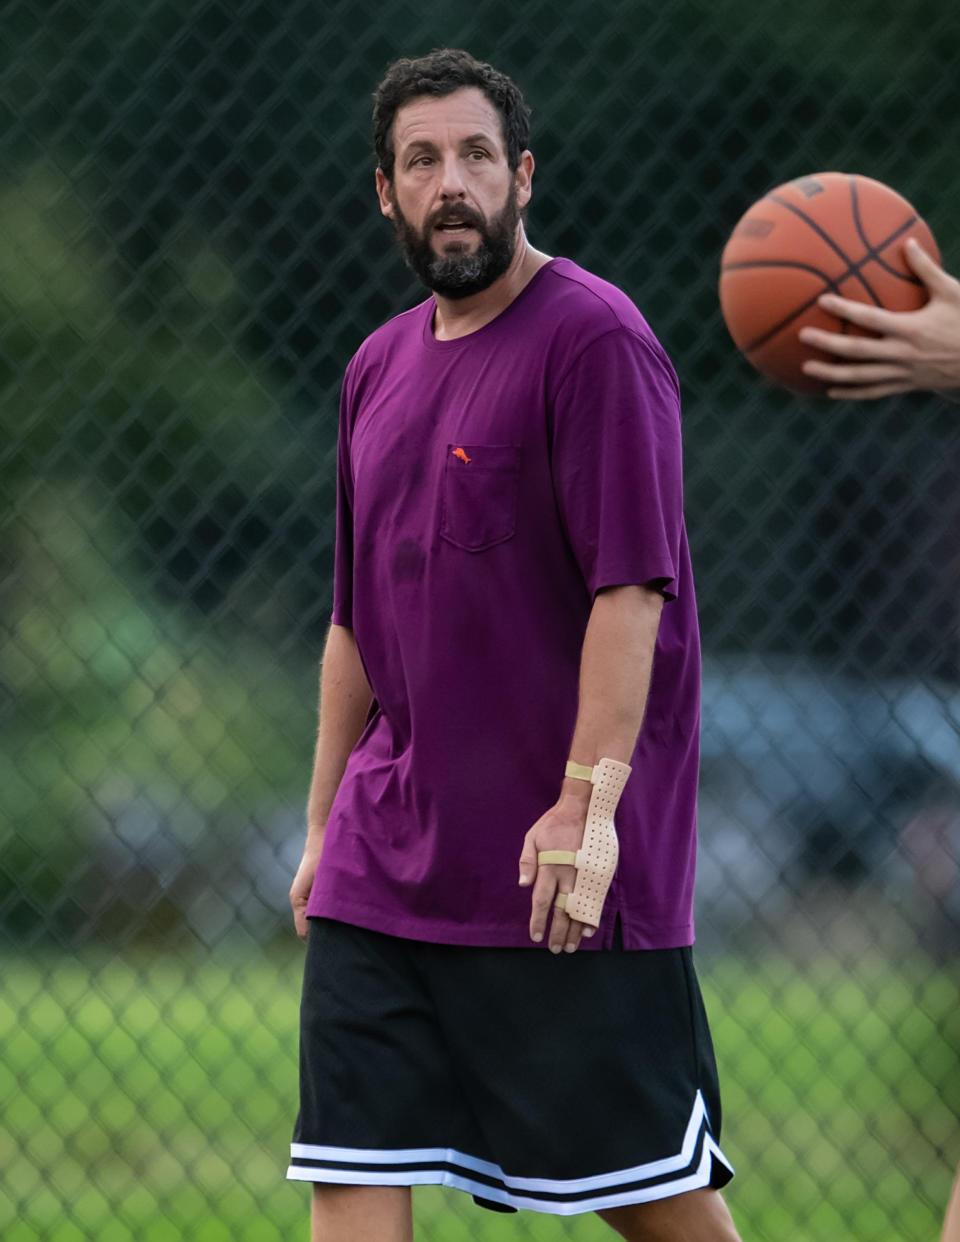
{"x":459,"y":452}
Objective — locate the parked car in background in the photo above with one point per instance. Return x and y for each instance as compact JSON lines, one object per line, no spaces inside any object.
{"x":809,"y":778}
{"x":810,"y":783}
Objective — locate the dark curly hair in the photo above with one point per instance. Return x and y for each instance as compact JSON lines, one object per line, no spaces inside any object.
{"x":442,"y":72}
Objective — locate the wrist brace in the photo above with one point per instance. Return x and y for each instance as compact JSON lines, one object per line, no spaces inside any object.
{"x":596,"y":859}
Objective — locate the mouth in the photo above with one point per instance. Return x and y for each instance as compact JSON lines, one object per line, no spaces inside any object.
{"x":455,"y":227}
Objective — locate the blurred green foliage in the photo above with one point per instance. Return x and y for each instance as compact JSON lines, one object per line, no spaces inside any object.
{"x":120,"y":701}
{"x":160,"y":1096}
{"x":190,"y":251}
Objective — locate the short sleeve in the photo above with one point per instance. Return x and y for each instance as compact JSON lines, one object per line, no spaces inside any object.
{"x":617,"y":463}
{"x":343,"y":552}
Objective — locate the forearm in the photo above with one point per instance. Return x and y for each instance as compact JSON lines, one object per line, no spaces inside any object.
{"x":345,"y":699}
{"x":615,"y":667}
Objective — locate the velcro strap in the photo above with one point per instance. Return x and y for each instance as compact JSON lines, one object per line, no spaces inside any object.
{"x":565,"y":857}
{"x":579,"y":771}
{"x":597,"y":856}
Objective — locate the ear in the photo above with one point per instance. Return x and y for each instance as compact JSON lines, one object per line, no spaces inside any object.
{"x":523,"y":178}
{"x":384,"y":193}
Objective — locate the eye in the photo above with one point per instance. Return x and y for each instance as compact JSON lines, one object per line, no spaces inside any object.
{"x":478,"y":153}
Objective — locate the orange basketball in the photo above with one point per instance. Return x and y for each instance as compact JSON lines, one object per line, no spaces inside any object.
{"x":826,"y":233}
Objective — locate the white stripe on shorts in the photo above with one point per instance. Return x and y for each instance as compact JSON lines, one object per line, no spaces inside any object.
{"x":448,"y":1167}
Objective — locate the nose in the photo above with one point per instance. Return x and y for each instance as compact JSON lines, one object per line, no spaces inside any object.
{"x":451,"y":179}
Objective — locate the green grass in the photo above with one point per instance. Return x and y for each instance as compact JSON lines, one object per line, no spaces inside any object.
{"x":152,"y":1099}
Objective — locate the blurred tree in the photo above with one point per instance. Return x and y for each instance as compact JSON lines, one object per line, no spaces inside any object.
{"x":117,"y":710}
{"x":215,"y":190}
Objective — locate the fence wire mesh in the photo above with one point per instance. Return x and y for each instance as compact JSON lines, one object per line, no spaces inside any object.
{"x":189,"y":253}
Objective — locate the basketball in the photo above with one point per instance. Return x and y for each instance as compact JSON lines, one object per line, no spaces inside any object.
{"x":826,"y":233}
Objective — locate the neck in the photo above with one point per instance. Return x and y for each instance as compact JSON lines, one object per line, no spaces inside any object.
{"x":455,"y":317}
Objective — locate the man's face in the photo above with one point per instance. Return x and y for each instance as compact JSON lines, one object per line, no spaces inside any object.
{"x":454,"y":202}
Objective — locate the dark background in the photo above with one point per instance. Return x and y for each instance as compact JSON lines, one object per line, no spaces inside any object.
{"x":190,"y":251}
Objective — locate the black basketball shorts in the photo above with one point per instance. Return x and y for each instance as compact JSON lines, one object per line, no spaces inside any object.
{"x":563,"y":1083}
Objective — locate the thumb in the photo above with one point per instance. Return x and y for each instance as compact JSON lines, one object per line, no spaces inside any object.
{"x":528,"y":862}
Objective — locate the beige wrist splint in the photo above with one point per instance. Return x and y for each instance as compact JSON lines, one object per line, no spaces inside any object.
{"x":596,"y":859}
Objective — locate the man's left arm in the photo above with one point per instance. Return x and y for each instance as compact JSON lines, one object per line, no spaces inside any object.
{"x":615,"y":667}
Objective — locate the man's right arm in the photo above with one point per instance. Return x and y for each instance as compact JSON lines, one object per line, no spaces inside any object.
{"x":345,"y":698}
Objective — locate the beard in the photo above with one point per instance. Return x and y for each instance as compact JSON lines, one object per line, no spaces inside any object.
{"x":460,"y":272}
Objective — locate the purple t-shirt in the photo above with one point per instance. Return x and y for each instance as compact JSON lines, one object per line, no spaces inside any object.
{"x":489,"y":486}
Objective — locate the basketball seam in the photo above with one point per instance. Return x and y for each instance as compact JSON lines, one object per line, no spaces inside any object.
{"x":875,"y":252}
{"x":787,"y":263}
{"x":852,"y":267}
{"x":785,"y":323}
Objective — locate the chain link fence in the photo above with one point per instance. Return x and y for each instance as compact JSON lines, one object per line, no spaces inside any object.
{"x":190,"y":251}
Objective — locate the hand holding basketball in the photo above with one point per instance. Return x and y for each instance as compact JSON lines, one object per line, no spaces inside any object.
{"x":909,"y":351}
{"x":832,"y":232}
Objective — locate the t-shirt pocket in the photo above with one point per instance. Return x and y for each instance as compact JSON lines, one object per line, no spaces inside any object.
{"x":480,"y":490}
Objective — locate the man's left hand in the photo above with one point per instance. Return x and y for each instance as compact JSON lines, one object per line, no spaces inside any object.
{"x":560,"y":828}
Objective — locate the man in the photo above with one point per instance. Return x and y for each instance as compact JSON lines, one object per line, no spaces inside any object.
{"x":908,"y":351}
{"x":482,"y":1008}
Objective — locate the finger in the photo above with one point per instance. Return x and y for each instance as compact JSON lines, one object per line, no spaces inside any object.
{"x":828,"y":342}
{"x":859,"y":373}
{"x":870,"y":348}
{"x":541,"y":902}
{"x":528,"y":862}
{"x":873,"y":318}
{"x":565,"y":932}
{"x":869,"y":393}
{"x":559,"y":930}
{"x":575,"y":931}
{"x":929,"y":271}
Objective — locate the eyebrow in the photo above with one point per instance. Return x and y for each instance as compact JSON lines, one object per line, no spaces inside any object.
{"x":424,"y":144}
